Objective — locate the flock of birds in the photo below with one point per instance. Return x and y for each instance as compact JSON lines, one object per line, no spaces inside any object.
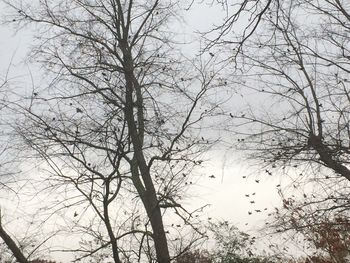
{"x":251,"y":195}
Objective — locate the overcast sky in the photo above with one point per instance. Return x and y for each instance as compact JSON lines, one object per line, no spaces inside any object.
{"x":226,"y":192}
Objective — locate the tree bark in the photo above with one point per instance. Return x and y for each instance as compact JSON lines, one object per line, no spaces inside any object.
{"x":148,"y":195}
{"x":327,"y":158}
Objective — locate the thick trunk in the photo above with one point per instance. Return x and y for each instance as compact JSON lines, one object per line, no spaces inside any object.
{"x":153,"y":211}
{"x":156,"y":219}
{"x":150,"y":201}
{"x":147,"y":193}
{"x":327,"y":157}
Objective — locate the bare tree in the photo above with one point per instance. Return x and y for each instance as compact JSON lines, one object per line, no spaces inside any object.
{"x":119,"y":125}
{"x":297,"y":72}
{"x":322,"y":231}
{"x":295,"y":115}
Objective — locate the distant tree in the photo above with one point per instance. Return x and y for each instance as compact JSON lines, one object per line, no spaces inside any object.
{"x":230,"y":246}
{"x":197,"y":256}
{"x":325,"y":233}
{"x":233,"y":246}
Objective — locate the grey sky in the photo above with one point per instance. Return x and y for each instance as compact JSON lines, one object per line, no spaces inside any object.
{"x":226,"y":192}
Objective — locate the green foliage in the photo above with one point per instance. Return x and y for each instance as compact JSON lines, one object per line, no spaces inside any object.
{"x":231,"y":244}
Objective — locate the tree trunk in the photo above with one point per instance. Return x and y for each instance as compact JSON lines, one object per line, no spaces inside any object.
{"x":148,"y":194}
{"x":11,"y":244}
{"x":155,"y":216}
{"x":327,"y":158}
